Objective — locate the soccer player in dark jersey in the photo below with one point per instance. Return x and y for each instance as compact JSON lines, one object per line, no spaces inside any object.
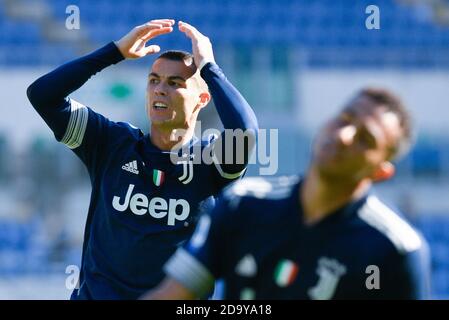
{"x":326,"y":236}
{"x":144,"y":204}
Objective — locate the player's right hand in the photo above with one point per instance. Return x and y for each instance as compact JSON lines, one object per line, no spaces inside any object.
{"x":132,"y":46}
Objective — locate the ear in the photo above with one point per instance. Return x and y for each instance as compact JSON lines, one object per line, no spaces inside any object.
{"x":384,"y":172}
{"x":204,"y":100}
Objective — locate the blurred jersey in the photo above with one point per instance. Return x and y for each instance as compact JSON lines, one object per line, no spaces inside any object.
{"x":256,"y":241}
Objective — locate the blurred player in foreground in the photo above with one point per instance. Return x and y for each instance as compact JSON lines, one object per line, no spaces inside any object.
{"x":143,"y":203}
{"x":325,"y":236}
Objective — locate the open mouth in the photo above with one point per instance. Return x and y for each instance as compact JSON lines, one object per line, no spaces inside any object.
{"x":159,"y":106}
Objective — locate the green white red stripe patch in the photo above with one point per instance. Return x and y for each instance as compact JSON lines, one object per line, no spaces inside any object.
{"x":158,"y":177}
{"x":285,"y":273}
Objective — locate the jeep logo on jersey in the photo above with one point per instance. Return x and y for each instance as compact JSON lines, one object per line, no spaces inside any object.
{"x":139,"y":204}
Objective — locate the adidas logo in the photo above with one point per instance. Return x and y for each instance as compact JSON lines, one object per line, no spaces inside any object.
{"x":131,"y":167}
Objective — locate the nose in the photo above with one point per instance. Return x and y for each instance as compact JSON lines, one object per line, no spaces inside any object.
{"x":346,"y":134}
{"x":160,"y":89}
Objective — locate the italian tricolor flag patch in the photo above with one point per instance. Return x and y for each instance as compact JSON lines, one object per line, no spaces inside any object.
{"x":158,"y":177}
{"x":285,"y":273}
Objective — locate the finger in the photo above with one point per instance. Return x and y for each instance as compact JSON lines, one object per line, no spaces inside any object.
{"x":164,"y":21}
{"x":156,"y":32}
{"x":189,"y":26}
{"x":156,"y":25}
{"x":143,"y":29}
{"x":194,"y":30}
{"x":151,"y":49}
{"x":161,"y":24}
{"x":146,"y":30}
{"x":189,"y":30}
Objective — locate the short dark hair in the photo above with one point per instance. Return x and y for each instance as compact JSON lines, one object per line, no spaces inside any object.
{"x":178,"y":55}
{"x":393,"y":104}
{"x":187,"y":58}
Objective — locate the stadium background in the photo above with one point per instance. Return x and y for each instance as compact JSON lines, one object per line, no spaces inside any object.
{"x":296,"y":62}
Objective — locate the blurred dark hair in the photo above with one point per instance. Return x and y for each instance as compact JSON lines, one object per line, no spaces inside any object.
{"x":393,"y":104}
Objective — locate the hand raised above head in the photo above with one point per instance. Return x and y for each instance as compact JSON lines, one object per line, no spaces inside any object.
{"x":201,"y":45}
{"x":132,"y":45}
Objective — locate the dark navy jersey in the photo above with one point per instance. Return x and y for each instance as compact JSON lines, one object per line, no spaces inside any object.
{"x":143,"y":204}
{"x":256,"y":242}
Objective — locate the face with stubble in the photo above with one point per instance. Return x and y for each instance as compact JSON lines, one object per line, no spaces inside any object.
{"x":175,"y":94}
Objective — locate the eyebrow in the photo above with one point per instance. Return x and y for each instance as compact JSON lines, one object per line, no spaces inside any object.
{"x":152,"y":74}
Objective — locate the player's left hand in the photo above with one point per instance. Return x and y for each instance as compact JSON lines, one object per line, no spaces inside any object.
{"x":201,"y":45}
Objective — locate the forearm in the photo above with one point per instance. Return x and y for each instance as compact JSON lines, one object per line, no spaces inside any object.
{"x":235,"y":113}
{"x":233,"y":109}
{"x":50,"y":90}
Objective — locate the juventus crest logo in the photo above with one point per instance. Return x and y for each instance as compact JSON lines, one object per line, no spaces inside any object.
{"x":187,"y":171}
{"x":330,"y":271}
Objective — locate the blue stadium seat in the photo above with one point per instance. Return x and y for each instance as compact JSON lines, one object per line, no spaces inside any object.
{"x":14,"y":33}
{"x":312,"y":24}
